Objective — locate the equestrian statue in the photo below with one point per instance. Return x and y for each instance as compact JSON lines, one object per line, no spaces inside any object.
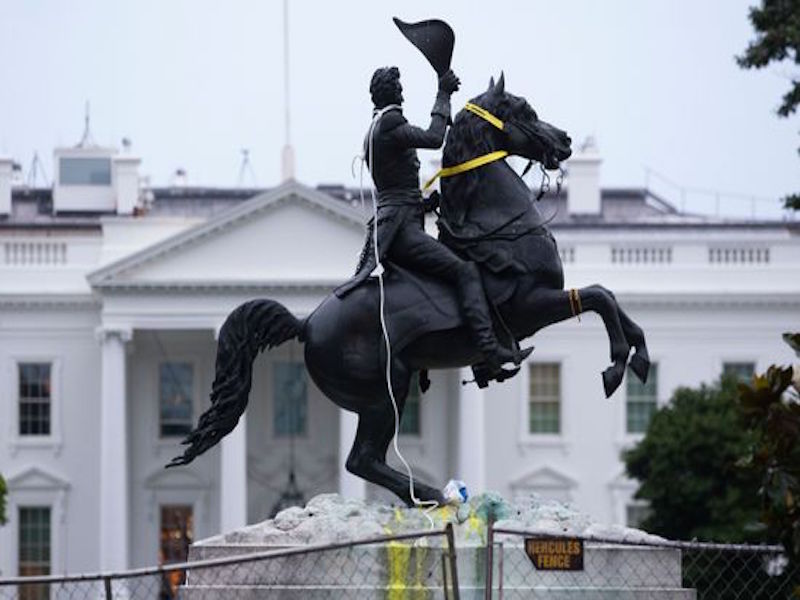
{"x":493,"y":278}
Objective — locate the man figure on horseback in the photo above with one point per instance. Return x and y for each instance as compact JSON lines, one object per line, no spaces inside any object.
{"x":390,"y":151}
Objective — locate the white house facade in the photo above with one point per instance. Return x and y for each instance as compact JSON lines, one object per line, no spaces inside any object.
{"x":111,"y":299}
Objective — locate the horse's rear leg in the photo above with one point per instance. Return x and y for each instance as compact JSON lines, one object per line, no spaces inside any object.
{"x":553,"y":306}
{"x":367,"y":458}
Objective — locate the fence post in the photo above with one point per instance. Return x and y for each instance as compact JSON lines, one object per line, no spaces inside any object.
{"x":451,"y":554}
{"x":107,"y":586}
{"x":500,"y":572}
{"x":489,"y":556}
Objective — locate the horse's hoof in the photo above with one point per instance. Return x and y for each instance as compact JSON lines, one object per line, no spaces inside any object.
{"x":427,"y":494}
{"x":612,"y":377}
{"x":640,"y":367}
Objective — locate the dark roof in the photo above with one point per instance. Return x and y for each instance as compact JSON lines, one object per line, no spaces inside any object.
{"x":621,"y":207}
{"x":32,"y":208}
{"x":196,"y":201}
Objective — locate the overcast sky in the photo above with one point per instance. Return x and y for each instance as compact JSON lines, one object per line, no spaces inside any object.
{"x":193,"y":82}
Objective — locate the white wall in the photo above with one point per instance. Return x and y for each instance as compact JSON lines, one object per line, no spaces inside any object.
{"x":696,"y":315}
{"x":65,"y":337}
{"x":688,"y":343}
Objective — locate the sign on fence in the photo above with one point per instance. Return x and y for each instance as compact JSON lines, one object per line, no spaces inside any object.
{"x":555,"y":554}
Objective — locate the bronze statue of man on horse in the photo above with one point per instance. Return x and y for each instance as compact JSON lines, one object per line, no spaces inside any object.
{"x":492,"y":279}
{"x":390,"y":152}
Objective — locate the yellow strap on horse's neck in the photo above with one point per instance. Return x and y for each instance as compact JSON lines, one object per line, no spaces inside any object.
{"x":474,"y":163}
{"x":478,"y":161}
{"x":484,"y":114}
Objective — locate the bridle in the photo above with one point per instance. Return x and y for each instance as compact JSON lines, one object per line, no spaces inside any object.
{"x":485,"y":159}
{"x":478,"y":161}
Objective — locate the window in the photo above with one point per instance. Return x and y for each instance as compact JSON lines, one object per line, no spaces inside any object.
{"x":85,"y":171}
{"x":34,"y":549}
{"x":176,"y":384}
{"x":635,"y":514}
{"x":410,"y":421}
{"x":290,"y":396}
{"x":34,"y":398}
{"x":642,"y":400}
{"x":175,"y":537}
{"x":741,"y":371}
{"x":544,"y":400}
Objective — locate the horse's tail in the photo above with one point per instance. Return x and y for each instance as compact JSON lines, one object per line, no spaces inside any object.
{"x":249,"y":329}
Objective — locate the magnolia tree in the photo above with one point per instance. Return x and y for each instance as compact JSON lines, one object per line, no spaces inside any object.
{"x":687,"y":471}
{"x":770,"y":406}
{"x":777,"y":27}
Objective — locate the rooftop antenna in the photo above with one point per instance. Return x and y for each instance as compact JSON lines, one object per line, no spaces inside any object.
{"x":36,"y":169}
{"x":246,"y":168}
{"x":87,"y":139}
{"x":287,"y":157}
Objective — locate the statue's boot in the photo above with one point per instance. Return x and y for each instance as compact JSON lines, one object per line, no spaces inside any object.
{"x":483,"y":374}
{"x":476,"y":312}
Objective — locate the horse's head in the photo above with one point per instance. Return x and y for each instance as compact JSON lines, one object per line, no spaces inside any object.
{"x":523,"y":133}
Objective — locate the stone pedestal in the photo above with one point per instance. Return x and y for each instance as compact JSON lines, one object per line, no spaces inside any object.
{"x":415,"y":568}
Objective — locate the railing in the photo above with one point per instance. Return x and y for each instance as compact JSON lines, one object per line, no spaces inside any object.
{"x":742,"y":255}
{"x":29,"y":252}
{"x":392,"y":565}
{"x":628,"y":564}
{"x":641,"y":254}
{"x":636,"y":565}
{"x":567,"y":254}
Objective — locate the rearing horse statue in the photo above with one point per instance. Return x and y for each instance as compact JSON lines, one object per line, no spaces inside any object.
{"x":487,"y":216}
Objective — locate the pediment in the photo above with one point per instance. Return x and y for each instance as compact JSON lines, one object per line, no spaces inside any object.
{"x":36,"y":478}
{"x":292,"y":235}
{"x":543,"y":479}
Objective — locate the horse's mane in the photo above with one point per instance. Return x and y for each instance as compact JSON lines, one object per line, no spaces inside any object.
{"x":469,"y":137}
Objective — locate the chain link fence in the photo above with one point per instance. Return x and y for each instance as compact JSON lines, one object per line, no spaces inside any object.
{"x":525,"y":564}
{"x":514,"y":564}
{"x":412,"y":565}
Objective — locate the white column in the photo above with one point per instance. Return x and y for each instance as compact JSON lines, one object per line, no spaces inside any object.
{"x":471,"y":435}
{"x":350,"y":486}
{"x":233,"y":478}
{"x":113,"y":452}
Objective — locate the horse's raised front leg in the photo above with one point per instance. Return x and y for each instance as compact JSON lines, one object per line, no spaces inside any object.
{"x":640,"y":360}
{"x":551,"y":306}
{"x":367,"y":458}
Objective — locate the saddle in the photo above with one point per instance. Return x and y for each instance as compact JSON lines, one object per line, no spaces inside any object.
{"x":417,"y":304}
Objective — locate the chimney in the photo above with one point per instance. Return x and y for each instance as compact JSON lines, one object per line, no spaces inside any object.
{"x":179,"y":178}
{"x":583,"y":180}
{"x":126,"y":183}
{"x":6,"y":174}
{"x":287,"y":163}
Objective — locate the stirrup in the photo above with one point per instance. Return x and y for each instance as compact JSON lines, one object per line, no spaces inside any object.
{"x":484,"y":374}
{"x":515,"y":355}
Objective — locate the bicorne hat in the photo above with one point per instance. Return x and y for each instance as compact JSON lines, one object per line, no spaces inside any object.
{"x":434,"y":38}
